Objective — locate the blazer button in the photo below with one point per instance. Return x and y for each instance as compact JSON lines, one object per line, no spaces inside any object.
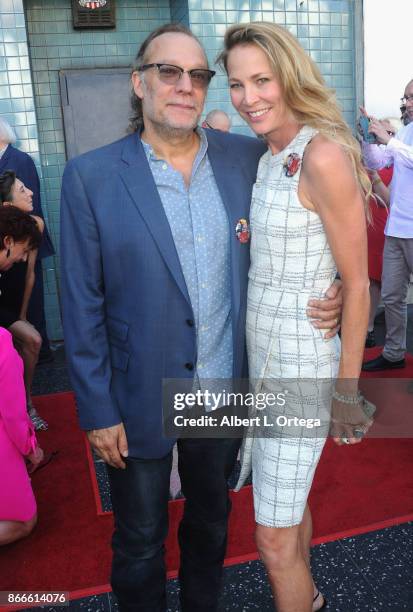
{"x":190,"y":322}
{"x":189,"y":365}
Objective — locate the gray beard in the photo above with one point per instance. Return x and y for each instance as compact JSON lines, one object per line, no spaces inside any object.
{"x":170,"y":133}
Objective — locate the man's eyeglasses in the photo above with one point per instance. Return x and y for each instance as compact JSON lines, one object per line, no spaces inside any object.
{"x":406,"y":99}
{"x":170,"y":74}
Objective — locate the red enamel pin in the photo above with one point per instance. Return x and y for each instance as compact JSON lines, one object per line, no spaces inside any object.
{"x":242,"y":231}
{"x":291,"y":164}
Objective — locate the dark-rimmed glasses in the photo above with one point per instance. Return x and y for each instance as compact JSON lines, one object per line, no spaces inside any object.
{"x":170,"y":74}
{"x":406,"y":99}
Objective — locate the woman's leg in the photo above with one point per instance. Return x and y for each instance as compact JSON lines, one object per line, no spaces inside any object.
{"x":285,"y":557}
{"x":11,"y":531}
{"x":28,"y":342}
{"x":306,"y":533}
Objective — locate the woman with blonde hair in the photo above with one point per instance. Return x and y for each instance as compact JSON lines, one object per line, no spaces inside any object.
{"x":308,"y":220}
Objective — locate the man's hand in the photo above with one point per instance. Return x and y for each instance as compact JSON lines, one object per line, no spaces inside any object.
{"x":377,"y":128}
{"x":110,"y":444}
{"x":326,"y":313}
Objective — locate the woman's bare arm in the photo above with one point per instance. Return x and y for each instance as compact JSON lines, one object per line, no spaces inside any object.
{"x":329,"y":187}
{"x":30,"y":275}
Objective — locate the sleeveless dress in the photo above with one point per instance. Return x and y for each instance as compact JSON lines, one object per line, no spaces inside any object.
{"x":291,"y":262}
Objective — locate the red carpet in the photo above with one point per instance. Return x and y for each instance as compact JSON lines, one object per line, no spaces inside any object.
{"x":356,"y":489}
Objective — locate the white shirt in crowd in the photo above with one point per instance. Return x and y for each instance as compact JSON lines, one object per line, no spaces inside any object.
{"x":399,"y":152}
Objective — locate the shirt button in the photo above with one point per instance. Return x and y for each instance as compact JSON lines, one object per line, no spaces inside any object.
{"x":189,"y":366}
{"x":203,"y":285}
{"x":200,"y":238}
{"x":164,"y":166}
{"x":204,"y":328}
{"x":200,"y":366}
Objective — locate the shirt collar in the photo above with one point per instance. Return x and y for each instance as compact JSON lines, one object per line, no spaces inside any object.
{"x":151,"y":156}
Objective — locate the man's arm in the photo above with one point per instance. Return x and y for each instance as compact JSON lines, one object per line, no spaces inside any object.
{"x":375,"y":156}
{"x":395,"y":149}
{"x":401,"y":152}
{"x":84,"y":322}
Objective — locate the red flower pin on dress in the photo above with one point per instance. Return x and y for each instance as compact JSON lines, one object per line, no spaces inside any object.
{"x":291,"y":164}
{"x":242,"y":231}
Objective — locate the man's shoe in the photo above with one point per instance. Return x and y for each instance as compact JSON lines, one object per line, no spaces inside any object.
{"x":370,"y":339}
{"x":381,"y":363}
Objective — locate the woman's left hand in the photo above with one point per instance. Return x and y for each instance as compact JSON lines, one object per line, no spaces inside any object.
{"x":349,"y":423}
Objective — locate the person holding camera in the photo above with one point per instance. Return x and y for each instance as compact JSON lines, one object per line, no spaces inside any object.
{"x":398,"y":248}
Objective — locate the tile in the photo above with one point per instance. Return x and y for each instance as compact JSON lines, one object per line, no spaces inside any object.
{"x":341,"y":582}
{"x":385,"y":558}
{"x":245,"y":588}
{"x":103,"y":484}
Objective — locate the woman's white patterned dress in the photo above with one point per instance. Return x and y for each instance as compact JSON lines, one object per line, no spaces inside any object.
{"x":291,"y":262}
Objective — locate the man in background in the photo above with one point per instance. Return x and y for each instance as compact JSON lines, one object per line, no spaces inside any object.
{"x":398,"y":246}
{"x":217,"y":120}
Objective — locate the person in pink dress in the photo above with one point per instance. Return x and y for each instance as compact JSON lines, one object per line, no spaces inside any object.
{"x":18,"y":514}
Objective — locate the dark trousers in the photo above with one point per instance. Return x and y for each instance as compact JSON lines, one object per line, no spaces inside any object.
{"x":140,"y":503}
{"x":35,"y":312}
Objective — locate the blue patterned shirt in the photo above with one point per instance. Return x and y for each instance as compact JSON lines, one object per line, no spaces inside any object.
{"x":200,"y":229}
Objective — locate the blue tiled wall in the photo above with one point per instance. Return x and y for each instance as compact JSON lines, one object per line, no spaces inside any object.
{"x":180,"y":11}
{"x":55,"y":45}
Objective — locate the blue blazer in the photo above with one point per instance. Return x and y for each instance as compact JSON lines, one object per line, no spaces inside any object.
{"x":23,"y":165}
{"x":126,"y":310}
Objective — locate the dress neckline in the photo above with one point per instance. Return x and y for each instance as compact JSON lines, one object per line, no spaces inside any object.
{"x":273,"y":157}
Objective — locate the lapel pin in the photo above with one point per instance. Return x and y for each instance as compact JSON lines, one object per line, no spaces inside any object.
{"x":242,"y":231}
{"x":291,"y":164}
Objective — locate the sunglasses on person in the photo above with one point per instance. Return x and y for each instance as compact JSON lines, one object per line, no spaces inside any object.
{"x":170,"y":74}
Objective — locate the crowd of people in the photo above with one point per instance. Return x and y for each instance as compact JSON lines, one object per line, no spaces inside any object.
{"x":195,"y":254}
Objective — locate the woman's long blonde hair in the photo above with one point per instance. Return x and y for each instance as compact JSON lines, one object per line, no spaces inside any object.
{"x":304,"y":88}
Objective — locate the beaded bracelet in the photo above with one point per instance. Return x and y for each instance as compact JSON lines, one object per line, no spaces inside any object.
{"x":348,"y":399}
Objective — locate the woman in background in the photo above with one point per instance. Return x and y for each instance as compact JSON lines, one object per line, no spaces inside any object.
{"x":375,"y":238}
{"x":12,"y":158}
{"x":19,"y":235}
{"x":17,"y":289}
{"x":18,"y":514}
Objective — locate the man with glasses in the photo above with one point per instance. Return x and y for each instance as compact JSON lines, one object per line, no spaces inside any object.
{"x":154,"y":279}
{"x":398,"y":247}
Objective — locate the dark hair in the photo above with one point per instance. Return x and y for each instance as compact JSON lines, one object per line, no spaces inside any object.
{"x":20,"y":226}
{"x":7,"y":180}
{"x":136,"y":121}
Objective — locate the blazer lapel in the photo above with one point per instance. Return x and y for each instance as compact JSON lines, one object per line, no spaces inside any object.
{"x":231,"y":182}
{"x":138,"y":179}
